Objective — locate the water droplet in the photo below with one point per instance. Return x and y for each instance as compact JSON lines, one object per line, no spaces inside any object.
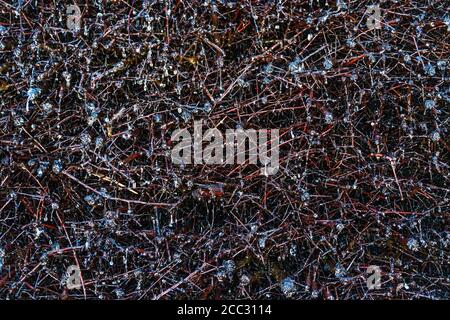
{"x":47,"y":107}
{"x":305,"y":196}
{"x":98,"y":142}
{"x":436,"y":136}
{"x":327,"y":64}
{"x":126,"y":135}
{"x":351,"y":43}
{"x":413,"y":244}
{"x":57,"y":166}
{"x":33,"y":93}
{"x":90,"y":199}
{"x":288,"y":287}
{"x":119,"y":293}
{"x":441,"y":64}
{"x":429,"y":104}
{"x":38,"y":232}
{"x":229,"y":266}
{"x":85,"y":138}
{"x":157,"y":118}
{"x":2,"y":255}
{"x":42,"y":168}
{"x":328,"y":117}
{"x":262,"y":242}
{"x":293,"y":250}
{"x":339,"y":271}
{"x":407,"y":58}
{"x":429,"y":69}
{"x":296,"y":66}
{"x":244,"y":280}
